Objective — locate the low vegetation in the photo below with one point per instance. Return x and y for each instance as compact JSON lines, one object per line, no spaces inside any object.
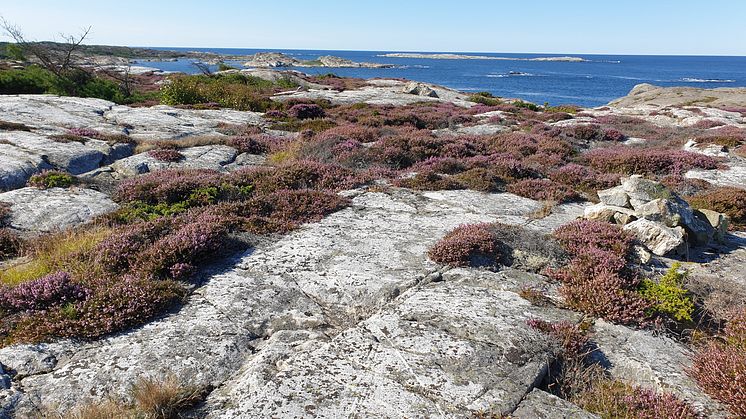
{"x":730,"y":201}
{"x":578,"y":376}
{"x":52,"y":179}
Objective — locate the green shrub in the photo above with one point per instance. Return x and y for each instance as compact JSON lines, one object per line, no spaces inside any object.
{"x":36,"y":80}
{"x":485,"y":98}
{"x":52,"y":179}
{"x":237,"y":91}
{"x":32,"y":80}
{"x":668,"y":294}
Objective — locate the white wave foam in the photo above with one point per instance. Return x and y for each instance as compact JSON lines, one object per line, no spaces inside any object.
{"x":695,"y":80}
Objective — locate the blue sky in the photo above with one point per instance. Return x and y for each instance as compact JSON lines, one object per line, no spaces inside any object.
{"x":683,"y":27}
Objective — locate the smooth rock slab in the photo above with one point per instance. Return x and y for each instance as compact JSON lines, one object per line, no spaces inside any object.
{"x":442,"y":350}
{"x":658,"y":238}
{"x":17,"y":166}
{"x":214,"y":157}
{"x":44,"y":210}
{"x":542,"y":405}
{"x":309,"y":291}
{"x":655,"y":362}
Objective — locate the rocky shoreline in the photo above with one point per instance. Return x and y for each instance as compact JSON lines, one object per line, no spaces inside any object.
{"x":478,"y":57}
{"x":349,"y":315}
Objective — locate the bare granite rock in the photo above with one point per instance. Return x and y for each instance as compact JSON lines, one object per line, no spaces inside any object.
{"x":650,"y":361}
{"x":682,"y":96}
{"x":215,"y":157}
{"x":43,"y":210}
{"x":349,"y":308}
{"x":542,"y":405}
{"x":658,"y":238}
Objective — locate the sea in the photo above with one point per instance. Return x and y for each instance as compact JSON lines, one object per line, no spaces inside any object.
{"x":594,"y":82}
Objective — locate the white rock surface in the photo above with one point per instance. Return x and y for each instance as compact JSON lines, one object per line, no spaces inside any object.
{"x":342,"y":316}
{"x":215,"y":157}
{"x":658,"y":238}
{"x":37,"y":210}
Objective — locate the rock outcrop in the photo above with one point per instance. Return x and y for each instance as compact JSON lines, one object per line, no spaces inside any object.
{"x":44,"y":210}
{"x":279,"y":60}
{"x":659,"y":218}
{"x":682,"y":96}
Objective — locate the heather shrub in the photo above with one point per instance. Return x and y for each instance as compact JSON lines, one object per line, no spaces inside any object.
{"x":13,"y":126}
{"x":424,"y":115}
{"x":707,"y":124}
{"x":480,"y":179}
{"x":52,"y":179}
{"x":728,"y":200}
{"x":575,"y":375}
{"x":596,"y":281}
{"x":632,"y":160}
{"x":251,"y":145}
{"x":166,"y":155}
{"x":615,"y":399}
{"x":485,"y":98}
{"x":719,"y":366}
{"x":444,"y":165}
{"x":53,"y":290}
{"x":285,"y":210}
{"x":10,"y":244}
{"x":583,"y":177}
{"x":306,"y":111}
{"x":611,"y":134}
{"x":5,"y":212}
{"x":302,"y":174}
{"x":543,"y":190}
{"x":467,"y":245}
{"x":588,"y":132}
{"x":429,"y":181}
{"x":170,"y":186}
{"x":669,"y":295}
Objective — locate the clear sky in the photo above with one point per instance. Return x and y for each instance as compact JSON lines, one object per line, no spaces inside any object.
{"x":682,"y":27}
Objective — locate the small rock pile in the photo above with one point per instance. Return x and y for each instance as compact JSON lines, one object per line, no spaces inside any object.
{"x":660,"y":219}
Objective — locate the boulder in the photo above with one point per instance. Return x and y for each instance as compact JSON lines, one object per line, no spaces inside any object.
{"x":717,"y":220}
{"x":419,"y":89}
{"x":642,"y":191}
{"x":615,"y":196}
{"x":44,"y":210}
{"x":661,"y":240}
{"x":17,"y":166}
{"x":609,"y":213}
{"x":539,"y":404}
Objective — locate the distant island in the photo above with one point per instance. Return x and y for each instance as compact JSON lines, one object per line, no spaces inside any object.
{"x":278,"y":59}
{"x":477,"y":57}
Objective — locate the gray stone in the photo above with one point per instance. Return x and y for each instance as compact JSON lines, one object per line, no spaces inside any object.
{"x":215,"y":157}
{"x":27,"y":361}
{"x":608,"y":213}
{"x":17,"y":166}
{"x":651,"y":361}
{"x":542,"y":405}
{"x":44,"y":210}
{"x":717,"y":220}
{"x":642,"y":191}
{"x":615,"y":196}
{"x":658,"y":238}
{"x":419,"y":89}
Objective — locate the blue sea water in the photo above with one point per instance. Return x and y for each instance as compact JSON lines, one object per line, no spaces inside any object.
{"x":593,"y":83}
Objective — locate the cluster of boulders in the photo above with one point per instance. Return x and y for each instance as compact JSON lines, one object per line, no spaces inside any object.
{"x":660,"y":219}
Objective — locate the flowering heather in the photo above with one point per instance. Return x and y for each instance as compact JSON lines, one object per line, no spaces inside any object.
{"x":275,"y":114}
{"x":480,"y":179}
{"x":297,"y":175}
{"x":187,"y":242}
{"x":251,"y":145}
{"x":467,"y":245}
{"x":166,"y":155}
{"x":588,"y":132}
{"x":41,"y":294}
{"x":582,"y":177}
{"x":445,"y":165}
{"x":118,"y":252}
{"x":351,"y":132}
{"x":52,"y":179}
{"x":543,"y":190}
{"x":728,"y":136}
{"x":611,"y":134}
{"x":168,"y":186}
{"x":306,"y":111}
{"x":707,"y":124}
{"x":615,"y":399}
{"x":596,"y":280}
{"x":728,"y":200}
{"x":580,"y":235}
{"x":285,"y":210}
{"x":630,"y":160}
{"x":84,"y":132}
{"x":425,"y":115}
{"x":720,"y":367}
